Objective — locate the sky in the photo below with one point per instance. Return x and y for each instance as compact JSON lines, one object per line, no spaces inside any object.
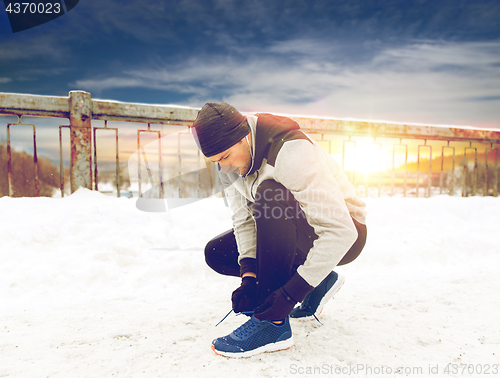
{"x":431,"y":62}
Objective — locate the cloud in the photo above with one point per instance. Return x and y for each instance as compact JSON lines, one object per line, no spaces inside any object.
{"x":4,"y":80}
{"x":46,"y":47}
{"x":433,"y":54}
{"x":236,"y":21}
{"x":426,"y":81}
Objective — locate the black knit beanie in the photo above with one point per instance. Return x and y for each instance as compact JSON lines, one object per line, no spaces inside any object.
{"x":218,"y":127}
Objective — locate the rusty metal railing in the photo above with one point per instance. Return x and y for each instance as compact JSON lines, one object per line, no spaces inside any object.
{"x":96,"y":176}
{"x":61,"y":166}
{"x":144,"y":156}
{"x":425,"y":175}
{"x":394,"y":167}
{"x":80,"y":109}
{"x":420,"y":136}
{"x":9,"y":158}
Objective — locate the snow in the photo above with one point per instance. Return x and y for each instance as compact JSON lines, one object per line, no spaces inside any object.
{"x":92,"y":287}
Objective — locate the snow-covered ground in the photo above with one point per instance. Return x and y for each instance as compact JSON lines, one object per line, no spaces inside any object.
{"x":92,"y":287}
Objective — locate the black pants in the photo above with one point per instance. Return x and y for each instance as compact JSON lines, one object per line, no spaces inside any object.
{"x":284,"y":238}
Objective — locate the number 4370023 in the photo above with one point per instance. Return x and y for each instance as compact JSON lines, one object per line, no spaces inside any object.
{"x":475,"y":369}
{"x":33,"y":8}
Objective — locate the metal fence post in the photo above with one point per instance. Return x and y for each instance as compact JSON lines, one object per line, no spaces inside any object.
{"x":80,"y":111}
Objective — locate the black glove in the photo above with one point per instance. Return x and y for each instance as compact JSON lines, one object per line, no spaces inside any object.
{"x":277,"y":306}
{"x":244,"y":298}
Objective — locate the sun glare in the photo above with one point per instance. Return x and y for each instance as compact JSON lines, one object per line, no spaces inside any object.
{"x":362,"y":157}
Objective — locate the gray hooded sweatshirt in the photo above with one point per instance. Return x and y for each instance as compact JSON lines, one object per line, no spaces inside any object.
{"x":283,"y":153}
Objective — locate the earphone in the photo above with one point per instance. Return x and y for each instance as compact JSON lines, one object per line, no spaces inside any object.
{"x":251,"y":154}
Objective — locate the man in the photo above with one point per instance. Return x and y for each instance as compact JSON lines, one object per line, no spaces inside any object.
{"x":295,"y":217}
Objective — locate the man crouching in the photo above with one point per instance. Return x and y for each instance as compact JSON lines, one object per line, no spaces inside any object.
{"x":295,"y":218}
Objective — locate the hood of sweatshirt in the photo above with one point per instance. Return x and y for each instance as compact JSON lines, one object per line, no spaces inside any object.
{"x":271,"y":132}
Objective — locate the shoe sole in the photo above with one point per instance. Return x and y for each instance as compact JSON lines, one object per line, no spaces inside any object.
{"x":333,"y":290}
{"x":273,"y":347}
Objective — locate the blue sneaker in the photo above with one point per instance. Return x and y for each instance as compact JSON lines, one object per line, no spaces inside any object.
{"x":313,"y":303}
{"x":254,"y":337}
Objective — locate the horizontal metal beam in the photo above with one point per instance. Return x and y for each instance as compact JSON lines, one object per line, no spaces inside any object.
{"x":391,"y":130}
{"x":58,"y":107}
{"x":32,"y":105}
{"x":154,"y":114}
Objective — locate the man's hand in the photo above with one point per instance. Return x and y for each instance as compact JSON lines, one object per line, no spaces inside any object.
{"x":244,"y":298}
{"x":277,"y":306}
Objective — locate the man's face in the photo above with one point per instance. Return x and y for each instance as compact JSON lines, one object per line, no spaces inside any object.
{"x":235,"y":159}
